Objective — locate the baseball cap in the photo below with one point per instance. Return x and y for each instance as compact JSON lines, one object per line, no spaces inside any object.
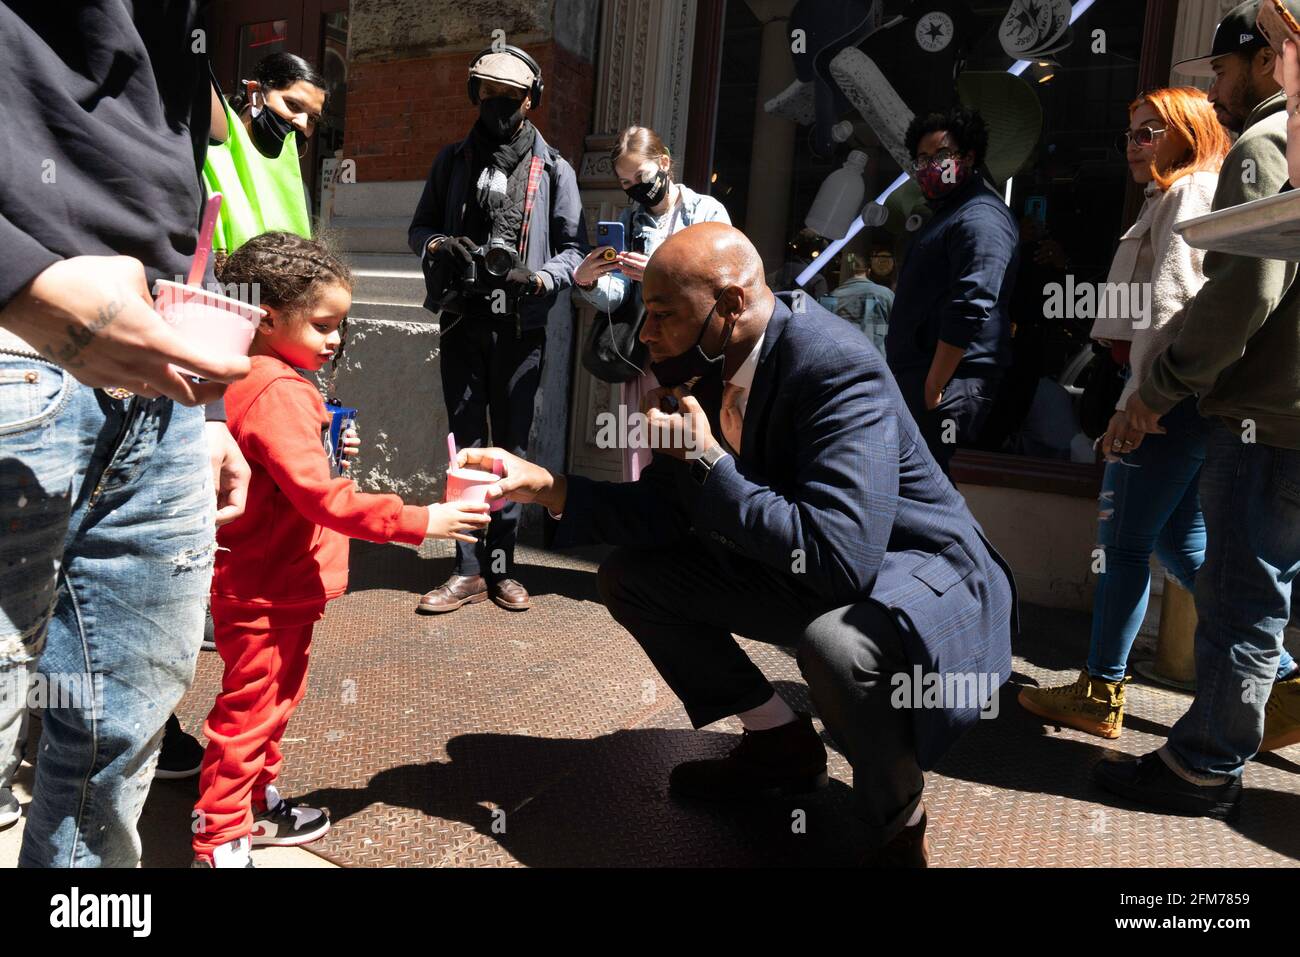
{"x":504,"y":68}
{"x":1235,"y":32}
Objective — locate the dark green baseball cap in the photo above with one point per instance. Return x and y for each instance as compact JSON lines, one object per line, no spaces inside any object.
{"x":1236,"y":33}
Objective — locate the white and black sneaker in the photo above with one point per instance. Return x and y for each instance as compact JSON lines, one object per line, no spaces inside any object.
{"x":236,"y":853}
{"x":10,"y":812}
{"x":287,"y":823}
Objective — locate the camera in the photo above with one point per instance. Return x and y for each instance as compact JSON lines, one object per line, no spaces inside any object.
{"x":489,"y":266}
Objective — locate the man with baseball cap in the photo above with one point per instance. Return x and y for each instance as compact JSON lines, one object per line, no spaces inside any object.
{"x":499,"y":231}
{"x":1239,"y":352}
{"x":1240,"y":62}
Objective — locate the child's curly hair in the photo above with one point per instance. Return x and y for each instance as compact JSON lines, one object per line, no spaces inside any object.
{"x":284,"y":268}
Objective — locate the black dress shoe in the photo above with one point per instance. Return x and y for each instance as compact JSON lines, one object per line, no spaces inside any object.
{"x":782,"y":761}
{"x":1148,"y":780}
{"x":908,"y":850}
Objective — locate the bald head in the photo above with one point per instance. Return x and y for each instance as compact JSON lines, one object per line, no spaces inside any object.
{"x":705,"y":270}
{"x":709,"y":256}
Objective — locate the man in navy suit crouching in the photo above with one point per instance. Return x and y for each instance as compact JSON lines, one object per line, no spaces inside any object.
{"x":800,"y":507}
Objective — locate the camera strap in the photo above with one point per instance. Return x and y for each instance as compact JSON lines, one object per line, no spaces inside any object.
{"x":530,"y":199}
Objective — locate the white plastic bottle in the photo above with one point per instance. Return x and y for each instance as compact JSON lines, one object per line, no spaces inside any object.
{"x":840,"y":198}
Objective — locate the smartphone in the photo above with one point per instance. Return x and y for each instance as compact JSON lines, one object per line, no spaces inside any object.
{"x":610,"y":234}
{"x":1277,"y":24}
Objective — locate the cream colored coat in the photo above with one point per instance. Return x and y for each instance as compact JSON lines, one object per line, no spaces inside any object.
{"x":1151,"y":252}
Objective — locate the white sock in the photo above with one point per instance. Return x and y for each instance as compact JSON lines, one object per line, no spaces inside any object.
{"x":770,"y":714}
{"x":232,"y":854}
{"x":916,"y":815}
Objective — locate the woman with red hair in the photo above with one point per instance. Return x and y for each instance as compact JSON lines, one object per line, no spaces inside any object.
{"x":1149,"y":502}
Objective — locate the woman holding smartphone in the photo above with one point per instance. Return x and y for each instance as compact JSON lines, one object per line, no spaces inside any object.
{"x":660,"y":207}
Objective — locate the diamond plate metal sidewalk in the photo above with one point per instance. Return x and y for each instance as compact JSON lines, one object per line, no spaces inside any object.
{"x":545,"y":738}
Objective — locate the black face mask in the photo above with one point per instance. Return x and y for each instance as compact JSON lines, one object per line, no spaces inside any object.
{"x":651,"y":193}
{"x":270,"y":130}
{"x":501,"y":116}
{"x":692,"y":363}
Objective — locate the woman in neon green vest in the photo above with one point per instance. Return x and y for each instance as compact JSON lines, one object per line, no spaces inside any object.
{"x":256,"y":169}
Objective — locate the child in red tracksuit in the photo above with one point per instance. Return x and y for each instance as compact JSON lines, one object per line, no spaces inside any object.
{"x":287,"y":556}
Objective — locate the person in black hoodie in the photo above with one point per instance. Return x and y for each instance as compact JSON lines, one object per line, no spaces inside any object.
{"x":502,"y":187}
{"x":106,"y":499}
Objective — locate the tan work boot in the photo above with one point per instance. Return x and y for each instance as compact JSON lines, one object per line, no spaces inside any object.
{"x":1282,"y":715}
{"x":1089,"y":704}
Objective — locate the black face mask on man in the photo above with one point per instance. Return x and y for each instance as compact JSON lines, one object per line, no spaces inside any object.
{"x":501,"y":116}
{"x":270,"y":130}
{"x":651,"y":193}
{"x":693,"y":363}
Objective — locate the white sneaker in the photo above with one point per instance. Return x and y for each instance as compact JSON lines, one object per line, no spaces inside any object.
{"x":10,"y":812}
{"x":236,"y":853}
{"x":286,"y":823}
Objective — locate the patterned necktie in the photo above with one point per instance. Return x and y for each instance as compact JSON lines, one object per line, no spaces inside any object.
{"x":730,"y":416}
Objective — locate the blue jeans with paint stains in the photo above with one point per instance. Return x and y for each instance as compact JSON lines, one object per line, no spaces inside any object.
{"x":1149,"y":503}
{"x":107,"y":510}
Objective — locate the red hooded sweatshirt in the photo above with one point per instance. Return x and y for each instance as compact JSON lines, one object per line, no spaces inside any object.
{"x":287,"y":555}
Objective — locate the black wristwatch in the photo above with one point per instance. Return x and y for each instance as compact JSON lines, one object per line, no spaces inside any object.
{"x":703,"y":464}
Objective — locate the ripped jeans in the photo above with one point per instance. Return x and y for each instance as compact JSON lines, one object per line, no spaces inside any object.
{"x":107,"y":511}
{"x":1150,"y":502}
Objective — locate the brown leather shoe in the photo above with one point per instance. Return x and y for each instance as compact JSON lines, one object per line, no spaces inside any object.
{"x":456,"y":591}
{"x":907,"y":850}
{"x":511,"y":595}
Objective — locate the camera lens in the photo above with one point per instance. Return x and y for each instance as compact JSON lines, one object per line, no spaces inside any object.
{"x":499,"y":260}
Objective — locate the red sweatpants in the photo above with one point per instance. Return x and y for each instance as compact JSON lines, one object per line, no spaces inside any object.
{"x":265,"y":678}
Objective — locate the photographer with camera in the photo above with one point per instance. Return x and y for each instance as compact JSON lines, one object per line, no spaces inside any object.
{"x":499,"y":231}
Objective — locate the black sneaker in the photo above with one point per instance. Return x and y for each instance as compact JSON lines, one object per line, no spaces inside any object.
{"x":10,"y":811}
{"x":1150,"y":781}
{"x":181,"y":755}
{"x":287,"y":823}
{"x":778,"y":762}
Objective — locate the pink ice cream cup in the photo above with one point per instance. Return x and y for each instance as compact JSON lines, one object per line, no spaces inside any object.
{"x":221,"y":326}
{"x":471,"y":485}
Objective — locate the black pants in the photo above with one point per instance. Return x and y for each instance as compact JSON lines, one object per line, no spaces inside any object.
{"x":958,"y":418}
{"x":490,"y":375}
{"x":683,"y":606}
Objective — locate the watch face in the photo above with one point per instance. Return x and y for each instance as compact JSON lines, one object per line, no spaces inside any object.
{"x":934,"y":31}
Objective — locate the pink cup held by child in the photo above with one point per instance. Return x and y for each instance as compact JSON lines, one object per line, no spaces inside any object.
{"x":220,"y":325}
{"x":471,"y":485}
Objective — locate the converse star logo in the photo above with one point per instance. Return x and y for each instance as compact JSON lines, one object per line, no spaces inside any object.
{"x":934,"y":31}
